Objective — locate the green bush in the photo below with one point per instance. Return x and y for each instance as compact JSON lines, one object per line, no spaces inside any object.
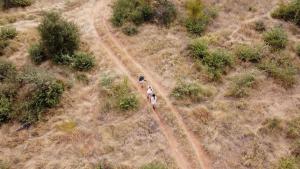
{"x":58,"y":36}
{"x":193,"y":91}
{"x":259,"y":26}
{"x":130,"y":30}
{"x":288,"y":12}
{"x":36,"y":52}
{"x":3,"y":44}
{"x":63,"y":59}
{"x":153,"y":165}
{"x":198,"y":16}
{"x":8,"y":33}
{"x":199,"y":48}
{"x":276,"y":38}
{"x":294,"y":128}
{"x":5,"y":109}
{"x":241,"y":85}
{"x":288,"y":163}
{"x":217,"y":62}
{"x":16,"y":3}
{"x":7,"y":71}
{"x":83,"y":61}
{"x":248,"y":53}
{"x":298,"y":49}
{"x":128,"y":102}
{"x":281,"y":70}
{"x":165,"y":12}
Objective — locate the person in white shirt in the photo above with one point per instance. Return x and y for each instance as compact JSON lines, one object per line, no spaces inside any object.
{"x":153,"y":101}
{"x":149,"y":93}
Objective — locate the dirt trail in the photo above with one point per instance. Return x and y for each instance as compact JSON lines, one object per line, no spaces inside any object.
{"x":124,"y":60}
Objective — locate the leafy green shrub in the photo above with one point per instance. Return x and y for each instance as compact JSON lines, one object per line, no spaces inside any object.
{"x":287,"y":163}
{"x":198,"y":16}
{"x":8,"y":33}
{"x":83,"y":61}
{"x":63,"y":59}
{"x":217,"y":62}
{"x":58,"y":36}
{"x":281,"y":70}
{"x":5,"y":109}
{"x":199,"y":48}
{"x":130,"y":30}
{"x":16,"y":3}
{"x":276,"y":38}
{"x":259,"y":26}
{"x":3,"y":44}
{"x":7,"y":71}
{"x":298,"y":49}
{"x":248,"y":53}
{"x":36,"y":52}
{"x":288,"y":12}
{"x":294,"y":128}
{"x":241,"y":85}
{"x":128,"y":102}
{"x":165,"y":12}
{"x":153,"y":165}
{"x":192,"y":91}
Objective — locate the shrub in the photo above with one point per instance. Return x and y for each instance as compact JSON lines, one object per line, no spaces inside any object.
{"x":3,"y":45}
{"x":62,"y":59}
{"x":17,"y":3}
{"x":57,"y":35}
{"x":280,"y":70}
{"x":217,"y":62}
{"x":241,"y":85}
{"x":8,"y":33}
{"x":165,"y":12}
{"x":7,"y":71}
{"x":192,"y":91}
{"x":83,"y":61}
{"x":128,"y":102}
{"x":298,"y":49}
{"x":288,"y":12}
{"x":248,"y":53}
{"x":37,"y":54}
{"x":125,"y":100}
{"x":276,"y":38}
{"x":199,"y":48}
{"x":198,"y":16}
{"x":130,"y":30}
{"x":153,"y":165}
{"x":287,"y":163}
{"x":294,"y":128}
{"x":296,"y":149}
{"x":5,"y":109}
{"x":259,"y":26}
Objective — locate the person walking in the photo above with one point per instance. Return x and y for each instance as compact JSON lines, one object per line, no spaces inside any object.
{"x":149,"y":93}
{"x":141,"y":81}
{"x":153,"y":101}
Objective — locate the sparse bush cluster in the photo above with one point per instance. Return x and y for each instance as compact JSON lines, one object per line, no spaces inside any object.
{"x":281,"y":69}
{"x":192,"y":91}
{"x":241,"y":85}
{"x":276,"y":38}
{"x":288,"y":12}
{"x":198,"y":16}
{"x":16,"y":3}
{"x":119,"y":94}
{"x":60,"y":41}
{"x":249,"y":53}
{"x":216,"y":61}
{"x":25,"y":95}
{"x":137,"y":12}
{"x":6,"y":34}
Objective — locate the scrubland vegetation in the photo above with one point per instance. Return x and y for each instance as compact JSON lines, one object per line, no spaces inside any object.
{"x":16,"y":3}
{"x":288,"y":12}
{"x":6,"y":34}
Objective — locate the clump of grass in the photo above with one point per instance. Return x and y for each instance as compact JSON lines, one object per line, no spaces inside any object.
{"x":259,"y":26}
{"x":288,"y":12}
{"x":298,"y":49}
{"x":37,"y":53}
{"x":241,"y":85}
{"x":199,"y":48}
{"x":191,"y":91}
{"x":119,"y":94}
{"x":198,"y":17}
{"x":130,"y":30}
{"x":217,"y":62}
{"x":248,"y":53}
{"x":8,"y":33}
{"x":67,"y":126}
{"x":153,"y":165}
{"x":281,"y":69}
{"x":83,"y":61}
{"x":293,"y":130}
{"x":276,"y":38}
{"x":288,"y":163}
{"x":82,"y":78}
